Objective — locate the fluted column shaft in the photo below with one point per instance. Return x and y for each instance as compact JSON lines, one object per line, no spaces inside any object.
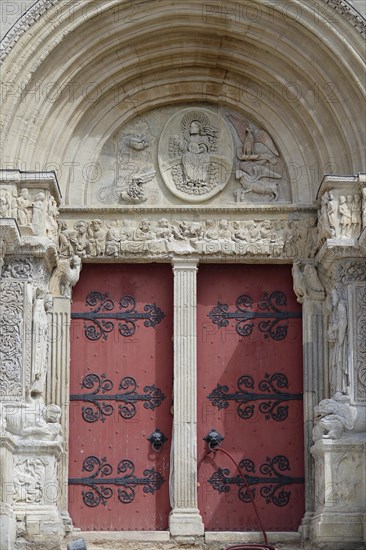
{"x":185,"y":518}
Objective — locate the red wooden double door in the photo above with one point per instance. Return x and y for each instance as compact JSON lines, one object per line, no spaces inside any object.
{"x":249,"y":391}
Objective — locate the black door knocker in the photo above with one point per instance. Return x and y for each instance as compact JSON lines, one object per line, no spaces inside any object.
{"x":157,"y":440}
{"x":213,"y":439}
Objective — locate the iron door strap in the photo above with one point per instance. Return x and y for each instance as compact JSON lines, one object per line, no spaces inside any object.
{"x":99,"y":321}
{"x":273,"y":479}
{"x":98,"y":483}
{"x":99,"y":399}
{"x":272,"y":317}
{"x":270,"y":392}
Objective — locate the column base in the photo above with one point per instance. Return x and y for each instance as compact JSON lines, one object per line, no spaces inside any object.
{"x":39,"y":527}
{"x":186,"y":522}
{"x":7,"y":527}
{"x":340,"y":530}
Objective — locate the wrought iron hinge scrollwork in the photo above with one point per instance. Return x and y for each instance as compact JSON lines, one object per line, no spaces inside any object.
{"x":98,"y":481}
{"x":99,"y":401}
{"x":273,"y":480}
{"x":271,"y":393}
{"x":272,"y":317}
{"x":99,"y":321}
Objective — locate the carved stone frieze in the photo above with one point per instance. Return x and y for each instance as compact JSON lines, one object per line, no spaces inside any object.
{"x":351,"y":272}
{"x":11,"y":338}
{"x":341,"y":211}
{"x":159,"y":238}
{"x":32,"y":200}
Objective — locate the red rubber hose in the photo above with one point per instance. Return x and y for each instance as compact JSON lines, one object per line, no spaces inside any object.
{"x":241,"y":546}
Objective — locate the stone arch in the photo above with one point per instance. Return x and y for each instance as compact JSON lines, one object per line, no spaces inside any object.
{"x":94,"y":68}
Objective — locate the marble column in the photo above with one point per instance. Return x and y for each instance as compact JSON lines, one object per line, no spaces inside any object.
{"x":57,"y":388}
{"x":185,"y":519}
{"x":313,"y":347}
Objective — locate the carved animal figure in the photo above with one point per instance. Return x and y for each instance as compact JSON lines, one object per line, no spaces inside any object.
{"x":250,"y":137}
{"x":332,"y":417}
{"x":65,"y":276}
{"x":262,"y":188}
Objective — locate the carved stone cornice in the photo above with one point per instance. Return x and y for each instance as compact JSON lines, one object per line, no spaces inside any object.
{"x":337,"y":249}
{"x":32,"y":180}
{"x":264,"y":211}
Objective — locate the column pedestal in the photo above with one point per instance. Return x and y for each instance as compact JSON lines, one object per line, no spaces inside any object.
{"x":340,"y":468}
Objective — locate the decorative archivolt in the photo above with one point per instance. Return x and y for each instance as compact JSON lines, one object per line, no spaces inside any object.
{"x":39,"y":8}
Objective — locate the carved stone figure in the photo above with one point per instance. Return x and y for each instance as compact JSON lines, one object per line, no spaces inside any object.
{"x":345,"y":217}
{"x":2,"y":253}
{"x":134,"y":191}
{"x":337,"y":331}
{"x":51,"y":218}
{"x":332,"y":212}
{"x":257,"y":157}
{"x":4,"y":207}
{"x":29,"y":480}
{"x":65,"y":276}
{"x":363,"y":207}
{"x":52,"y":415}
{"x":195,"y":154}
{"x":113,"y":239}
{"x":95,"y":238}
{"x":81,"y":242}
{"x":306,"y":282}
{"x":24,"y":207}
{"x":42,"y":304}
{"x":67,"y":240}
{"x":356,"y":215}
{"x":332,"y":417}
{"x":38,"y":219}
{"x":143,"y":232}
{"x":28,"y":421}
{"x":163,"y":230}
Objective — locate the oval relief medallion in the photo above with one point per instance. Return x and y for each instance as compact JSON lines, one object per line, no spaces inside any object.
{"x":195,"y":154}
